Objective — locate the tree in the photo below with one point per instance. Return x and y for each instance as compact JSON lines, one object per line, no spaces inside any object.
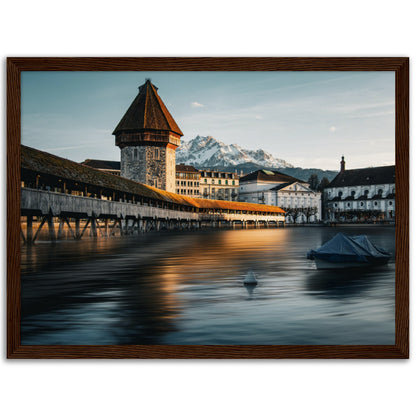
{"x":324,"y":182}
{"x":313,"y":181}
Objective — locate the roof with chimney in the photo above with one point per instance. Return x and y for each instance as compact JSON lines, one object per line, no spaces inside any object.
{"x":269,"y":176}
{"x":147,"y":112}
{"x":367,"y":176}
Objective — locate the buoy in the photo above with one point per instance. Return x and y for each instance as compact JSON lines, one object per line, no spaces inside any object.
{"x":250,"y":278}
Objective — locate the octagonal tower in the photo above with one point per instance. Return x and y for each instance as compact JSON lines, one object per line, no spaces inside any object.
{"x":148,"y":137}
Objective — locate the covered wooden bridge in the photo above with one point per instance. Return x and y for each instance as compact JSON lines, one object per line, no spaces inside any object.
{"x":82,"y":199}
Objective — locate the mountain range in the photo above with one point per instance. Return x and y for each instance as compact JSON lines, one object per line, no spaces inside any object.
{"x":206,"y":152}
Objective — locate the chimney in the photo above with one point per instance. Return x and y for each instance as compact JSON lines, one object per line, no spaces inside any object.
{"x":342,"y":164}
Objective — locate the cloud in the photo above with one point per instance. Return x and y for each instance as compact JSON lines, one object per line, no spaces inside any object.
{"x":259,"y":117}
{"x":332,"y":129}
{"x":195,"y":104}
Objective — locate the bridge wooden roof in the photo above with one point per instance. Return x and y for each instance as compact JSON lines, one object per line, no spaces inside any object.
{"x":231,"y":205}
{"x":39,"y":162}
{"x":147,"y":112}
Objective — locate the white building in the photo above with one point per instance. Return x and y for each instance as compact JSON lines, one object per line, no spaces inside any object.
{"x":301,"y":203}
{"x":360,"y":195}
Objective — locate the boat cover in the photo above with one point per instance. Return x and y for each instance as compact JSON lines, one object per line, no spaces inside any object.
{"x":364,"y":242}
{"x":342,"y":248}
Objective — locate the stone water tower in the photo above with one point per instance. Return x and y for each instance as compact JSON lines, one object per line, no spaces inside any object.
{"x":148,"y":137}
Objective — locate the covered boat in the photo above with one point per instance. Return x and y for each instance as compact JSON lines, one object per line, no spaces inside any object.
{"x":344,"y":252}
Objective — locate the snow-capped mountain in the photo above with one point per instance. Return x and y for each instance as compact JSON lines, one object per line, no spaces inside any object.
{"x":207,"y":152}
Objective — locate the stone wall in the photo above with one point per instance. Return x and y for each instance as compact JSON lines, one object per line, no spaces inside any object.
{"x":151,"y":165}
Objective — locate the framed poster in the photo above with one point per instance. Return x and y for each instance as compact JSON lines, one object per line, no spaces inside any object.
{"x":176,"y":221}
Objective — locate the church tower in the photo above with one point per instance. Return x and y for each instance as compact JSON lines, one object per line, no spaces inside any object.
{"x":342,"y":165}
{"x":148,"y":137}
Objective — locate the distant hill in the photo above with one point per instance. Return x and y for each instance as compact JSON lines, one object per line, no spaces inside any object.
{"x":304,"y":174}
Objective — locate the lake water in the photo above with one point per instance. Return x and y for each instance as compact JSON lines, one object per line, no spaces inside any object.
{"x":187,"y":288}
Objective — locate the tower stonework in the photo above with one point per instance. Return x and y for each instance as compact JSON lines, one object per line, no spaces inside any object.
{"x":148,"y":137}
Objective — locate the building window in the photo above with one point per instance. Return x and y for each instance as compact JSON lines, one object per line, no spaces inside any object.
{"x":353,"y":193}
{"x":226,"y":181}
{"x":375,"y":203}
{"x":213,"y":181}
{"x":348,"y":205}
{"x":234,"y":183}
{"x":361,"y":203}
{"x":390,"y":203}
{"x":219,"y":181}
{"x":205,"y":181}
{"x":340,"y":194}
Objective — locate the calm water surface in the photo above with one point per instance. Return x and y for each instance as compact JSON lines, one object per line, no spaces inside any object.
{"x":187,"y":288}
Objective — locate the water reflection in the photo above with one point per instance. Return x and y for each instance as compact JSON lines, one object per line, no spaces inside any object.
{"x":187,"y":288}
{"x":345,"y":284}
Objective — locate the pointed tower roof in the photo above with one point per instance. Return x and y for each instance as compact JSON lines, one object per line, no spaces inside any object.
{"x":147,"y":112}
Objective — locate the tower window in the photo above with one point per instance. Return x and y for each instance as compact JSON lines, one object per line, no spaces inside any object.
{"x":135,"y":154}
{"x":156,"y":153}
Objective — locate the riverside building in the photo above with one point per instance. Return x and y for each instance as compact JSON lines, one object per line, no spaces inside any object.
{"x":362,"y":195}
{"x":187,"y":180}
{"x":301,"y":203}
{"x":218,"y":185}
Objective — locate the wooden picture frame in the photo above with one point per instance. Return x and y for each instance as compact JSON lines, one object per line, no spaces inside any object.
{"x":401,"y":68}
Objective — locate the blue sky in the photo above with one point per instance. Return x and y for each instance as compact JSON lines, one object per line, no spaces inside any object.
{"x":309,"y":119}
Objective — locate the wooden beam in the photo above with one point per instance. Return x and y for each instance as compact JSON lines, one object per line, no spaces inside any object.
{"x":40,"y":227}
{"x":70,"y":228}
{"x":86,"y":226}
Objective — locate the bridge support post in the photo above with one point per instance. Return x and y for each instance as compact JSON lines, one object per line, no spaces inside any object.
{"x":51,"y":228}
{"x":29,"y":229}
{"x":93,"y":227}
{"x":61,"y":228}
{"x":77,"y":229}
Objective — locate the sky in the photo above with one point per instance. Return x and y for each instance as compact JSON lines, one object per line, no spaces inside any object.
{"x":309,"y":119}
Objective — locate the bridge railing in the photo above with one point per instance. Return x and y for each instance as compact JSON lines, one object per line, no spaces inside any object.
{"x":57,"y":203}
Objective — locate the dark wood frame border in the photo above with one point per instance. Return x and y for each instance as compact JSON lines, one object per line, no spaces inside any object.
{"x":401,"y":68}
